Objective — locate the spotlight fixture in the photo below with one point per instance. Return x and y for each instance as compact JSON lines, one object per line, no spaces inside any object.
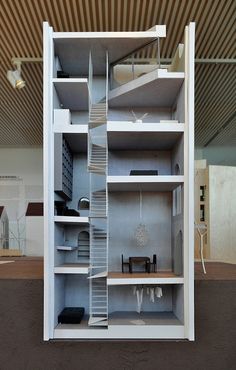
{"x":14,"y":76}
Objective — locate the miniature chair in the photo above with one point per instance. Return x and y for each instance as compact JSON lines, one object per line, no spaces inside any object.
{"x":145,"y":261}
{"x":123,"y":264}
{"x":153,"y":264}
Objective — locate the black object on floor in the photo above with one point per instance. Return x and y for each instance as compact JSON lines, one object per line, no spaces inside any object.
{"x":62,"y":74}
{"x":60,"y":208}
{"x":71,"y":212}
{"x":143,"y":173}
{"x":71,"y":315}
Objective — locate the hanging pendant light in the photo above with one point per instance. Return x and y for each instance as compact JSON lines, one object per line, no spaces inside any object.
{"x":141,"y":233}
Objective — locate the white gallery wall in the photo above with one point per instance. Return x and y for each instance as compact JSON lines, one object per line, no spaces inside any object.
{"x":217,"y":155}
{"x":27,"y":164}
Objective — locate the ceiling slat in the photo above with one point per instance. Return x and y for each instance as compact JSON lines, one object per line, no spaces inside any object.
{"x":21,"y":35}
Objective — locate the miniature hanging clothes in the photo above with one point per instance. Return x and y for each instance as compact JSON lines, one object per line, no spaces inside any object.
{"x":139,"y":295}
{"x":154,"y":291}
{"x":138,"y":291}
{"x":152,"y":297}
{"x":158,"y":292}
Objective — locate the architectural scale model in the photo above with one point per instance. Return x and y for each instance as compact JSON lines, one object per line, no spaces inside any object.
{"x":118,"y":185}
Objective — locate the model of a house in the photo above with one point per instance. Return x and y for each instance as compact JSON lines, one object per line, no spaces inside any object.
{"x":118,"y":185}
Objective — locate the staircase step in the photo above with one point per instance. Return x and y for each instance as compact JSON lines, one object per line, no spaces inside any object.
{"x":98,"y":323}
{"x":98,"y":275}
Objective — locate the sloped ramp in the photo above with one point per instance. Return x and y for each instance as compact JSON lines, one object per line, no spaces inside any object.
{"x":158,"y":88}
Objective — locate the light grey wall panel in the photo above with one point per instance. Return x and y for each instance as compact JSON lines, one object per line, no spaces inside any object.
{"x":56,"y":101}
{"x":124,"y":217}
{"x":177,"y":251}
{"x":218,"y":155}
{"x":77,"y":291}
{"x":59,"y":296}
{"x":121,"y":162}
{"x":79,"y":117}
{"x":71,"y":235}
{"x":80,"y":181}
{"x":59,"y":236}
{"x":98,"y":88}
{"x":178,"y":302}
{"x":179,"y":113}
{"x":177,"y":157}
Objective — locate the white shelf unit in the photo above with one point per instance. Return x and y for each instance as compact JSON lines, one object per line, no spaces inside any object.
{"x":144,"y":183}
{"x":72,"y":268}
{"x":72,"y":220}
{"x":120,"y":280}
{"x":164,"y":142}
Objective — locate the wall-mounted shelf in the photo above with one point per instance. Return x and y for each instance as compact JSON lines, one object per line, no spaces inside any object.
{"x":118,"y":278}
{"x":145,"y":183}
{"x":71,"y":129}
{"x":70,"y":220}
{"x":141,"y":136}
{"x":66,"y":248}
{"x":72,"y":268}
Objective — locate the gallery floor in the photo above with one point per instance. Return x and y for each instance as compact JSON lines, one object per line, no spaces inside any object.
{"x":21,"y":316}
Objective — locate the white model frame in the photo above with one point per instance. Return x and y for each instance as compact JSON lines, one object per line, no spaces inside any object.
{"x":186,"y":330}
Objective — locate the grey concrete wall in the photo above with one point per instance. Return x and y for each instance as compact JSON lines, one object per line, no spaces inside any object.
{"x":177,"y":157}
{"x":178,"y":302}
{"x":124,"y":217}
{"x":220,"y":155}
{"x":179,"y":113}
{"x":121,"y":298}
{"x":121,"y":162}
{"x":217,"y":155}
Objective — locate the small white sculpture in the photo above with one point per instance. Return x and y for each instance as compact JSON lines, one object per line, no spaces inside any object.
{"x":139,"y":120}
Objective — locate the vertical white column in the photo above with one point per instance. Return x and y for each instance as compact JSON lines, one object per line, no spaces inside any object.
{"x":189,"y":183}
{"x":191,"y":55}
{"x":48,"y":173}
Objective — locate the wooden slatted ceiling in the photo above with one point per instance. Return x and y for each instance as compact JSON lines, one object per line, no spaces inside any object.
{"x":21,"y":35}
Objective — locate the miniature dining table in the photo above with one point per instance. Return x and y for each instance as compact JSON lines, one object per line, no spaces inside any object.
{"x":139,"y":260}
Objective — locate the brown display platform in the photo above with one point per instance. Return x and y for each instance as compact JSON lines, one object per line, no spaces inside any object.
{"x":22,"y":346}
{"x":21,"y":333}
{"x":21,"y":268}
